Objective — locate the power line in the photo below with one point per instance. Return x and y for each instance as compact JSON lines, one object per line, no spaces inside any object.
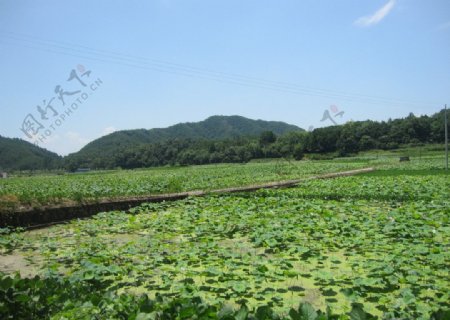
{"x":156,"y":69}
{"x":166,"y":64}
{"x":265,"y":83}
{"x":88,"y":53}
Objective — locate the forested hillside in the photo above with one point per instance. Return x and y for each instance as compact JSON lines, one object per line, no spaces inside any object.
{"x":17,"y":154}
{"x":341,"y":140}
{"x":118,"y":148}
{"x":213,"y":128}
{"x":225,"y":139}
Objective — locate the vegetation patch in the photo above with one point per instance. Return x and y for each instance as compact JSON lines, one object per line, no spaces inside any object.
{"x":379,"y":242}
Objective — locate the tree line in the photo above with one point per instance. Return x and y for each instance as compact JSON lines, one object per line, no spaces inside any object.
{"x":341,"y":140}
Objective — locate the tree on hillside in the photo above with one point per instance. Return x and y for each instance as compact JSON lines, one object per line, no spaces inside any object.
{"x":267,"y":137}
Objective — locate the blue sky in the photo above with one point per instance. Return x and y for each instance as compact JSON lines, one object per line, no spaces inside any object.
{"x":167,"y":61}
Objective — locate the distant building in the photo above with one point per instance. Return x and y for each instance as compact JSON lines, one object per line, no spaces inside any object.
{"x":3,"y":175}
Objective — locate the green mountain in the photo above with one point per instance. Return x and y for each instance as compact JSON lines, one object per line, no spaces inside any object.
{"x":236,"y":139}
{"x":213,"y":128}
{"x":220,"y":139}
{"x":18,"y":154}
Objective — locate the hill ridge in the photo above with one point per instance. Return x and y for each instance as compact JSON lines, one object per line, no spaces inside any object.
{"x":216,"y":127}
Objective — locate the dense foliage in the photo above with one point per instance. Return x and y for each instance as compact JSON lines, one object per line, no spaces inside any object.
{"x":175,"y":144}
{"x":17,"y":154}
{"x":222,"y":139}
{"x":56,"y":298}
{"x":380,"y":241}
{"x":126,"y":152}
{"x":41,"y":190}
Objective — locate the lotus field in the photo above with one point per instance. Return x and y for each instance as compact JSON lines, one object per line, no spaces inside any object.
{"x":371,"y":246}
{"x":46,"y":189}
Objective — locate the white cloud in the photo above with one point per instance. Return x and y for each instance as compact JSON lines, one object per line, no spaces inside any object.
{"x":75,"y":138}
{"x":443,"y":26}
{"x":62,"y":144}
{"x":376,"y":17}
{"x":68,"y":142}
{"x":108,"y":130}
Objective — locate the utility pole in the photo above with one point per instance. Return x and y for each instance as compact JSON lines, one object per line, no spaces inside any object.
{"x":446,"y":139}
